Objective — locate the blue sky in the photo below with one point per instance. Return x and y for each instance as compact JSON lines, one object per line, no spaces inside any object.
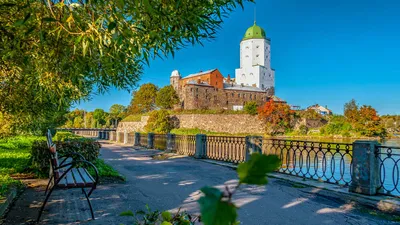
{"x":324,"y":52}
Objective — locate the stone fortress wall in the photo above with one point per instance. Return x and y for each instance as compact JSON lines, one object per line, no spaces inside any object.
{"x":133,"y":126}
{"x":224,"y":123}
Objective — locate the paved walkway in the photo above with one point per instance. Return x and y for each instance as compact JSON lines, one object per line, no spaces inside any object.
{"x":174,"y":184}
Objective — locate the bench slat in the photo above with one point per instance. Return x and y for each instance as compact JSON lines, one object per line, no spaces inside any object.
{"x":63,"y":183}
{"x":70,"y":179}
{"x":78,"y":178}
{"x":89,"y":181}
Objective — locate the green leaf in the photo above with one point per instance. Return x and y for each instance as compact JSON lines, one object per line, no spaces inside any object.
{"x":214,"y":210}
{"x":120,"y":4}
{"x":127,"y":213}
{"x":166,"y":216}
{"x":255,"y":170}
{"x":166,"y":223}
{"x":27,"y":17}
{"x":49,"y":19}
{"x":148,"y":6}
{"x":111,"y":26}
{"x":18,"y":23}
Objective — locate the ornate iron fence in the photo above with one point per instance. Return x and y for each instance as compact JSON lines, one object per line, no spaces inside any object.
{"x":389,"y":161}
{"x":160,"y":141}
{"x":231,"y":149}
{"x":144,"y":140}
{"x":185,"y":144}
{"x":131,"y":138}
{"x":329,"y":162}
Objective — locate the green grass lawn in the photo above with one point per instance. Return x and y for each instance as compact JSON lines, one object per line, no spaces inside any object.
{"x":14,"y":159}
{"x":106,"y":172}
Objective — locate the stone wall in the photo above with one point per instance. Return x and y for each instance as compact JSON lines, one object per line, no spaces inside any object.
{"x":224,"y":123}
{"x":133,"y":126}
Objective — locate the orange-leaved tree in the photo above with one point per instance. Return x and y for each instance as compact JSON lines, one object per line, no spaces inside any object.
{"x":369,"y":123}
{"x":277,"y":117}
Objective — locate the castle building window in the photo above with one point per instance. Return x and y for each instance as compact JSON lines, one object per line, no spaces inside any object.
{"x":233,"y":95}
{"x":227,"y":103}
{"x":250,"y":97}
{"x":226,"y":94}
{"x":191,"y":89}
{"x":238,"y":95}
{"x":197,"y":89}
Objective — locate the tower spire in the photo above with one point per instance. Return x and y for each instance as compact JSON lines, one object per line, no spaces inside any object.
{"x":255,"y":14}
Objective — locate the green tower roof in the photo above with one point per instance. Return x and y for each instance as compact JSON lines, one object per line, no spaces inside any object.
{"x":254,"y":32}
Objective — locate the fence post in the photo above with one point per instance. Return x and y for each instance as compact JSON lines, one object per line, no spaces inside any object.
{"x":125,"y":137}
{"x":200,"y":146}
{"x":117,"y":139}
{"x":100,"y":134}
{"x":137,"y":139}
{"x":150,"y":140}
{"x":365,"y":172}
{"x":253,"y":144}
{"x":170,"y":142}
{"x":111,"y":136}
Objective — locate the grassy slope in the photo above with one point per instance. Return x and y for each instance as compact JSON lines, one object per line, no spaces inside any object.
{"x":14,"y":159}
{"x":15,"y":155}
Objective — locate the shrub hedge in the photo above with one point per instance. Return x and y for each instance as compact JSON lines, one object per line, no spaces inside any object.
{"x":90,"y":149}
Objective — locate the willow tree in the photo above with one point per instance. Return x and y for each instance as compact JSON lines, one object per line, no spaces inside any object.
{"x":57,"y":52}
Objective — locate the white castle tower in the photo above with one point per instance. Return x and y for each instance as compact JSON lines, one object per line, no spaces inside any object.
{"x":255,"y":60}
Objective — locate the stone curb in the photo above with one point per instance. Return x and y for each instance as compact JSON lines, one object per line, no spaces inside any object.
{"x":382,"y":203}
{"x":6,"y":203}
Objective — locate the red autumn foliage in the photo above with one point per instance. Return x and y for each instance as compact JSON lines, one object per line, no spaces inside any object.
{"x":276,"y":115}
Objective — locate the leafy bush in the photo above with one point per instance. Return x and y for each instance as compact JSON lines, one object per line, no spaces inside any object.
{"x":159,"y":122}
{"x":65,"y":135}
{"x":251,"y":107}
{"x":303,"y":129}
{"x":90,"y":149}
